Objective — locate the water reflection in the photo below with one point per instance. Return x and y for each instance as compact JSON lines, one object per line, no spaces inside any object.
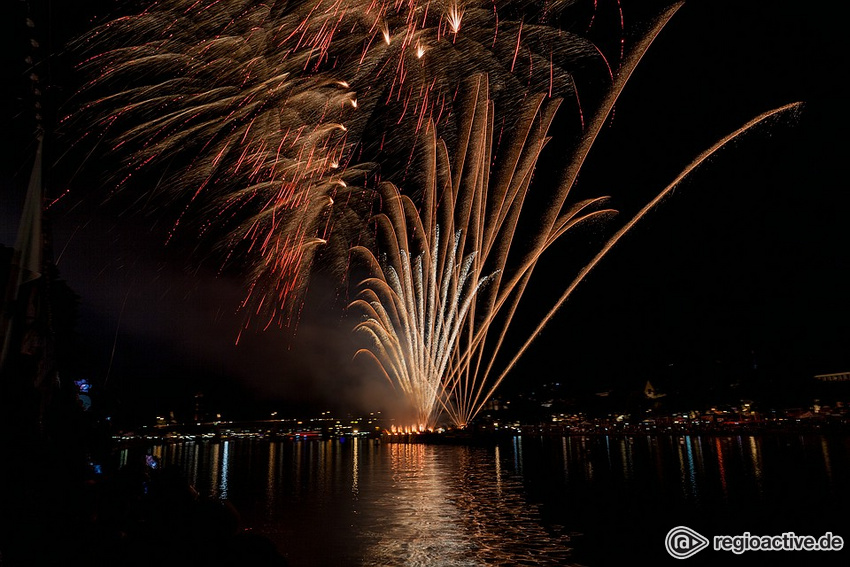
{"x":215,"y":466}
{"x":754,"y":445}
{"x":225,"y":470}
{"x":271,"y":475}
{"x":686,"y":466}
{"x":585,"y":458}
{"x":360,"y":502}
{"x":414,"y":519}
{"x":454,"y":506}
{"x":825,"y":449}
{"x":565,"y":458}
{"x":498,"y":459}
{"x":718,"y":447}
{"x":355,"y":468}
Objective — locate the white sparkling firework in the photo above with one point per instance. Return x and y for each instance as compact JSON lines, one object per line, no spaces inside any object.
{"x":436,"y":311}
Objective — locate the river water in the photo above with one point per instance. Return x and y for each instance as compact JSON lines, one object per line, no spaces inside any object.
{"x":596,"y":500}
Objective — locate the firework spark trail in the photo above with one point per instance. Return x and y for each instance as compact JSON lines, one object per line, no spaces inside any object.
{"x":252,"y":107}
{"x":479,"y":196}
{"x":426,"y":313}
{"x":238,"y":133}
{"x":629,"y":225}
{"x":554,"y":223}
{"x":432,"y":299}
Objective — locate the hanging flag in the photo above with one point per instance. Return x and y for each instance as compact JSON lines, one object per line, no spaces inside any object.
{"x":20,"y":307}
{"x":29,"y":242}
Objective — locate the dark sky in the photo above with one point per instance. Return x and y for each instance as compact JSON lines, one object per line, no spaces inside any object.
{"x":744,"y":267}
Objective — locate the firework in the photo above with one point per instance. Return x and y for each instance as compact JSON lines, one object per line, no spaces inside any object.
{"x":445,"y":272}
{"x":249,"y":119}
{"x":440,"y":300}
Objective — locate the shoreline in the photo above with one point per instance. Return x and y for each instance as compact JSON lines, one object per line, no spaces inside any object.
{"x":480,"y":437}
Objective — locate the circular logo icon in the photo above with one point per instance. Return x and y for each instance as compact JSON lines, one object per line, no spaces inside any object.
{"x":683,"y":542}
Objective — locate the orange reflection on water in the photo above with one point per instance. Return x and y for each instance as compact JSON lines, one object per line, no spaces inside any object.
{"x":720,"y":466}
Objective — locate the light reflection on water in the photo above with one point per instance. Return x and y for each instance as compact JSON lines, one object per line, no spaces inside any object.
{"x":360,"y":502}
{"x":453,"y":504}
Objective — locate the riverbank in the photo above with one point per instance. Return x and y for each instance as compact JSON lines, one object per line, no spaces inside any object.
{"x":224,"y":431}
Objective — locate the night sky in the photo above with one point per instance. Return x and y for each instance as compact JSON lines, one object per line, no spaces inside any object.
{"x":742,"y":271}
